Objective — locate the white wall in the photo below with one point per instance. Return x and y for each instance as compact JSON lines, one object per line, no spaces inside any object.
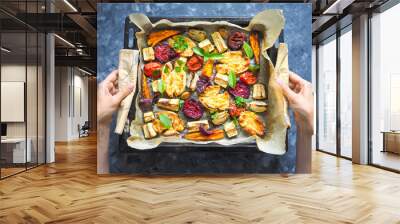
{"x":71,"y":102}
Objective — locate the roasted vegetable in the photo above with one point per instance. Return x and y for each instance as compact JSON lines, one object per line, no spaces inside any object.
{"x":145,"y":88}
{"x":201,"y":84}
{"x":259,"y":92}
{"x":224,"y":33}
{"x":185,"y":95}
{"x":192,"y":109}
{"x":208,"y":69}
{"x":176,"y":122}
{"x":148,"y":54}
{"x":257,"y":106}
{"x":235,"y":61}
{"x":213,"y":100}
{"x":251,"y":123}
{"x":193,"y":82}
{"x":149,"y":131}
{"x":157,"y":36}
{"x":194,"y":63}
{"x":197,"y":35}
{"x":146,"y":104}
{"x":248,"y":78}
{"x":221,"y":80}
{"x":182,"y":44}
{"x":148,"y":116}
{"x":241,"y":90}
{"x":219,"y":42}
{"x":175,"y":81}
{"x":235,"y":40}
{"x":164,"y":53}
{"x":219,"y":118}
{"x":230,"y":129}
{"x":152,"y":70}
{"x":206,"y":45}
{"x":254,"y":43}
{"x":235,"y":111}
{"x":168,"y":104}
{"x":194,"y":126}
{"x":197,"y":136}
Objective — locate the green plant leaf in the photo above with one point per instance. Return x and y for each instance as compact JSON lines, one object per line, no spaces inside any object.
{"x":235,"y":121}
{"x":254,"y":68}
{"x":161,"y":86}
{"x":213,"y":115}
{"x":181,"y":102}
{"x":247,"y":49}
{"x":198,"y":51}
{"x":215,"y":56}
{"x":165,"y":121}
{"x":178,"y":69}
{"x":166,"y":69}
{"x":232,"y":79}
{"x":240,"y":101}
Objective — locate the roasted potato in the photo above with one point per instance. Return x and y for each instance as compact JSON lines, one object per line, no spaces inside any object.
{"x":251,"y":123}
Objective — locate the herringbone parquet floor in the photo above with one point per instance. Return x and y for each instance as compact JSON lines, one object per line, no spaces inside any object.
{"x":69,"y":191}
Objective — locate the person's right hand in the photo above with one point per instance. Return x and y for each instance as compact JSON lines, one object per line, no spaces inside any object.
{"x":300,"y":96}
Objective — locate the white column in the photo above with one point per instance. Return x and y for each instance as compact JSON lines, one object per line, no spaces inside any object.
{"x":360,"y":90}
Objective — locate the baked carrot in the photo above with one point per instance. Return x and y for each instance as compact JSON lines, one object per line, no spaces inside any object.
{"x":255,"y":46}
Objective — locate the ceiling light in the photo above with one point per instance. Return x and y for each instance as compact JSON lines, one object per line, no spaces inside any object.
{"x":65,"y":41}
{"x":84,"y":71}
{"x":70,"y":5}
{"x":5,"y":50}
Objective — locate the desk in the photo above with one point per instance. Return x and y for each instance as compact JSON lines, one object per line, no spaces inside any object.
{"x":391,"y":141}
{"x":16,"y":147}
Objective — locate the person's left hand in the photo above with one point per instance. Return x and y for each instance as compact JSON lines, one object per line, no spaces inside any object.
{"x":109,"y":97}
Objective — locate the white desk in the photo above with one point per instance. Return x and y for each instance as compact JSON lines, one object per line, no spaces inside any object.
{"x":18,"y":149}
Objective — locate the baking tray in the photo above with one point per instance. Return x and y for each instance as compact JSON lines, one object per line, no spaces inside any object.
{"x":130,"y":43}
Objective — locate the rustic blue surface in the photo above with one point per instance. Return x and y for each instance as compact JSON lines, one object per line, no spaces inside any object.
{"x":110,"y":25}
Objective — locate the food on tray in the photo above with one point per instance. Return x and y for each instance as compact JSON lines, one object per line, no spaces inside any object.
{"x":213,"y":100}
{"x":254,"y":43}
{"x":230,"y":129}
{"x":199,"y":75}
{"x":198,"y":136}
{"x":194,"y":126}
{"x":192,"y":109}
{"x":218,"y":118}
{"x":236,"y":39}
{"x":259,"y":92}
{"x":157,"y":36}
{"x":257,"y":106}
{"x":148,"y":54}
{"x":197,"y":35}
{"x":251,"y":123}
{"x":219,"y":42}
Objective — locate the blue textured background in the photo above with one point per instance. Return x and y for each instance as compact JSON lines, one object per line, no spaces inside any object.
{"x":110,"y":34}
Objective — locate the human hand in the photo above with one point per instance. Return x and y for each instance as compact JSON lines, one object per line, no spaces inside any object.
{"x":300,"y":96}
{"x":109,"y":97}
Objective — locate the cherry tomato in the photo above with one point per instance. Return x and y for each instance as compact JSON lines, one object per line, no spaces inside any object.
{"x":235,"y":111}
{"x":248,"y":78}
{"x":194,"y":63}
{"x":153,"y":70}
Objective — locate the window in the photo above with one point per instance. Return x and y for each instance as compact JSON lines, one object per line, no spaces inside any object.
{"x":326,"y":108}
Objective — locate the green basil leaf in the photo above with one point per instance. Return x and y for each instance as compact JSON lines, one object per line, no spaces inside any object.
{"x":232,"y":79}
{"x":161,"y":86}
{"x":180,"y":62}
{"x":181,"y":102}
{"x":165,"y":121}
{"x":254,"y":68}
{"x":185,"y":68}
{"x":166,"y":69}
{"x":198,"y":51}
{"x":178,"y":69}
{"x":247,"y":49}
{"x":205,"y":58}
{"x":213,"y":115}
{"x":215,"y":56}
{"x":235,"y":121}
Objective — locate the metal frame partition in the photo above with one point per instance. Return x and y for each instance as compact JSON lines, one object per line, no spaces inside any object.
{"x":36,"y":33}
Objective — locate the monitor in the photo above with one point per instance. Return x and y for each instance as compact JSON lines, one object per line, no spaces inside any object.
{"x":3,"y":129}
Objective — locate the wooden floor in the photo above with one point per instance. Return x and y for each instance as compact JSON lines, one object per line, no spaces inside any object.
{"x":69,"y":191}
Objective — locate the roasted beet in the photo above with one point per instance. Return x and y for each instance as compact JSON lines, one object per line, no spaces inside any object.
{"x":192,"y":109}
{"x":164,"y":53}
{"x":235,"y":40}
{"x":146,"y":104}
{"x":241,"y":90}
{"x":202,"y":84}
{"x":204,"y":131}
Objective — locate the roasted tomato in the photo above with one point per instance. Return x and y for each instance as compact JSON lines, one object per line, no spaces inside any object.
{"x":235,"y":111}
{"x":241,"y":89}
{"x":248,"y":78}
{"x":194,"y":63}
{"x":164,"y":53}
{"x":235,"y":40}
{"x":153,"y":70}
{"x":192,"y":109}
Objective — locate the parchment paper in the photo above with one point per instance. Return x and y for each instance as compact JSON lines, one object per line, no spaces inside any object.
{"x":270,"y":23}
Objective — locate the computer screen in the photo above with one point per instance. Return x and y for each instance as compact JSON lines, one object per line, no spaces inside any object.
{"x":3,"y":129}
